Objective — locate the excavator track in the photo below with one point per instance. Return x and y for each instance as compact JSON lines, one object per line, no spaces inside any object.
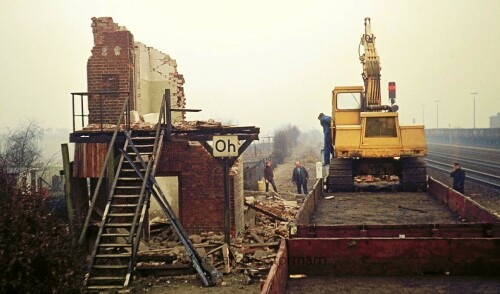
{"x":340,"y":177}
{"x":413,"y":174}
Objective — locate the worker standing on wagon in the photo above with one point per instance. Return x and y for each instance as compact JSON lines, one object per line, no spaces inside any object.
{"x":458,"y":175}
{"x":325,"y":122}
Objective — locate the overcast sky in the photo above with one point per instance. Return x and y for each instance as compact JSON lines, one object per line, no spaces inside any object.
{"x":262,"y":63}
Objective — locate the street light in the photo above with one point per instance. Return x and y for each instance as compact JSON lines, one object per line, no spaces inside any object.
{"x":474,"y":108}
{"x":423,"y":113}
{"x":437,"y":113}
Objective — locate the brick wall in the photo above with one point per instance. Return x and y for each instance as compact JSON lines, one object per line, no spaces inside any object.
{"x":201,"y":187}
{"x":110,"y":68}
{"x":155,"y":72}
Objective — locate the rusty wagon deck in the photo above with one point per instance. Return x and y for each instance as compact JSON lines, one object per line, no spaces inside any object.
{"x":381,"y":208}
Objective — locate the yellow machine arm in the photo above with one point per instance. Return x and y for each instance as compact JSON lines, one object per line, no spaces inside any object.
{"x":371,"y":67}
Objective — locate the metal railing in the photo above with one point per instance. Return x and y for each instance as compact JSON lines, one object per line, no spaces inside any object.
{"x":86,"y":116}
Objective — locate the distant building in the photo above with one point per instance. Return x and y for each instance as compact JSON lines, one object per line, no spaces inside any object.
{"x":495,"y":121}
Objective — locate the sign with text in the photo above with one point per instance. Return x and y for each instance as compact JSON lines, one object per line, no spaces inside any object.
{"x":225,"y":146}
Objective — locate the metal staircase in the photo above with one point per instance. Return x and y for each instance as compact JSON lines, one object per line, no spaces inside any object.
{"x":112,"y":260}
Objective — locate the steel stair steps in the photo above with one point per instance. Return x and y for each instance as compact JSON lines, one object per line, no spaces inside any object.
{"x":111,"y":266}
{"x":132,"y":170}
{"x":118,"y":225}
{"x":125,"y":196}
{"x":120,"y":214}
{"x":107,"y":278}
{"x":144,"y":146}
{"x":115,"y":234}
{"x":124,"y":205}
{"x":128,"y":179}
{"x":127,"y":187}
{"x":142,"y":153}
{"x":142,"y":138}
{"x":123,"y":255}
{"x":122,"y":245}
{"x":105,"y":287}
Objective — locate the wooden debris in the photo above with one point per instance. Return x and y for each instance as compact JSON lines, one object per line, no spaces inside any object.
{"x":265,"y":212}
{"x":257,"y":238}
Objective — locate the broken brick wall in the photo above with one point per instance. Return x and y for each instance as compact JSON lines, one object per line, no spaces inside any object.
{"x":110,"y":68}
{"x":118,"y":64}
{"x":201,"y":186}
{"x":155,"y":71}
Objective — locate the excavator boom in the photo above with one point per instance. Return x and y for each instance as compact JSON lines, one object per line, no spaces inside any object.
{"x":371,"y":67}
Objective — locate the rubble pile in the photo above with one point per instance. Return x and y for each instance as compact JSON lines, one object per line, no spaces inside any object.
{"x":252,"y":253}
{"x":370,"y":178}
{"x":138,"y":123}
{"x":110,"y":127}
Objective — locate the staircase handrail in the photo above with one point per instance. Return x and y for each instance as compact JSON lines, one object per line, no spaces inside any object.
{"x":103,"y":169}
{"x":150,"y":163}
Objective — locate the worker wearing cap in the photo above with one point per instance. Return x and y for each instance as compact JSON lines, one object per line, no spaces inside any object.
{"x":325,"y":122}
{"x":458,"y":175}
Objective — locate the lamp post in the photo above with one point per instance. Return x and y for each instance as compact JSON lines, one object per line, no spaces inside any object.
{"x":437,"y":113}
{"x":423,"y":113}
{"x":474,"y":108}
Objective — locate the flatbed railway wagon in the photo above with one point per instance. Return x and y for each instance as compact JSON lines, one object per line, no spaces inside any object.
{"x":460,"y":238}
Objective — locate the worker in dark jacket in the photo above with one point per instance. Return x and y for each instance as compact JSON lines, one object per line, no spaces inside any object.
{"x":269,"y":176}
{"x":325,"y":122}
{"x":300,"y":177}
{"x":458,"y":175}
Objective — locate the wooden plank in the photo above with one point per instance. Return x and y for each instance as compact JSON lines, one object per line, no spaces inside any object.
{"x":272,"y":215}
{"x":225,"y":254}
{"x":67,"y":188}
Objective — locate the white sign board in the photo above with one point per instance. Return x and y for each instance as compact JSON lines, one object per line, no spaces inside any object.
{"x":319,"y":170}
{"x":225,"y":146}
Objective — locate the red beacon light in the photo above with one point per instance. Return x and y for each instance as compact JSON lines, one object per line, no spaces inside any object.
{"x":392,"y":92}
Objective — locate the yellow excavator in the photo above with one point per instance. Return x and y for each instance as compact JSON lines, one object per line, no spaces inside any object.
{"x":371,"y":149}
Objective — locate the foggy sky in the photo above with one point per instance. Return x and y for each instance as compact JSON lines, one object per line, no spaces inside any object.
{"x":262,"y":63}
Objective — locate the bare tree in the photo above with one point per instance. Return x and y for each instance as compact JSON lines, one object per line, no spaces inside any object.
{"x":20,"y":147}
{"x":285,"y":139}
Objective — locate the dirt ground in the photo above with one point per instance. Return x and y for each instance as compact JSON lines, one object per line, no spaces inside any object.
{"x":307,"y":156}
{"x":191,"y":284}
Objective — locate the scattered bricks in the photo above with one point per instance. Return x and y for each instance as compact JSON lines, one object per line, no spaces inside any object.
{"x":253,"y":251}
{"x":259,"y":254}
{"x":201,"y":251}
{"x":195,"y":238}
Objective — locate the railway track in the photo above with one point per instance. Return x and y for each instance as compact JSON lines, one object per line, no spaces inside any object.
{"x":470,"y":152}
{"x":490,"y":180}
{"x":481,"y":164}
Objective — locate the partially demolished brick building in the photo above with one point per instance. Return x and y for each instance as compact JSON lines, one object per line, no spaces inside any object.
{"x":119,"y":69}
